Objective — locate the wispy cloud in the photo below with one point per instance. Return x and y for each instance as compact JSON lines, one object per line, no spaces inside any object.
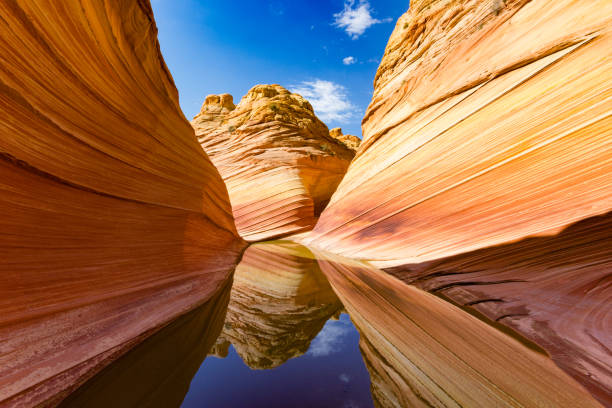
{"x":329,"y":339}
{"x":355,"y":19}
{"x":277,"y":8}
{"x":345,"y":378}
{"x":328,"y":99}
{"x":349,"y":60}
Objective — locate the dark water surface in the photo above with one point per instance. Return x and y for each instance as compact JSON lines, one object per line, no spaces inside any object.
{"x":295,"y":328}
{"x":330,"y":374}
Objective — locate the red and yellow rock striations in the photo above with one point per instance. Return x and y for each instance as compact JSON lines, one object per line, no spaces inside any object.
{"x":277,"y":159}
{"x":554,"y":290}
{"x":113,"y":221}
{"x":422,"y":351}
{"x":350,"y":141}
{"x":490,"y":122}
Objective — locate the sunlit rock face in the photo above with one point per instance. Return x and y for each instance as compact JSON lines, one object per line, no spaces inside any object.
{"x":276,"y":157}
{"x":490,"y":122}
{"x":350,"y":141}
{"x":279,"y":303}
{"x":554,"y":290}
{"x":422,"y":351}
{"x":113,"y":221}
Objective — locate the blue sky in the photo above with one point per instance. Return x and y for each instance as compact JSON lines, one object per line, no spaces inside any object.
{"x":327,"y":50}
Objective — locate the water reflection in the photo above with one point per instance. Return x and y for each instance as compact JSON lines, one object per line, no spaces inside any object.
{"x":280,"y":300}
{"x":157,"y":372}
{"x":281,"y":339}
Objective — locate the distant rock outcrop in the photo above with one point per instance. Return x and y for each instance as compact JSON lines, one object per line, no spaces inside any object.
{"x":112,"y":219}
{"x":350,"y":141}
{"x":490,"y":121}
{"x":277,"y":159}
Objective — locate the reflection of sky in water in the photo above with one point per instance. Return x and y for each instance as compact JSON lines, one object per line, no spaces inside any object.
{"x":330,"y":374}
{"x":331,"y":338}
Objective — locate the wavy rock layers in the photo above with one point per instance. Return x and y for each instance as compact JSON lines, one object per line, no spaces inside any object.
{"x":422,"y":351}
{"x":277,"y":159}
{"x":490,"y":122}
{"x":113,"y":219}
{"x":279,"y":303}
{"x":159,"y":371}
{"x":553,"y":290}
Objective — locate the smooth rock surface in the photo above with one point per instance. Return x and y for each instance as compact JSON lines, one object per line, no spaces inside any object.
{"x":422,"y":351}
{"x":113,"y":221}
{"x":277,"y":159}
{"x":490,"y":122}
{"x":554,"y":290}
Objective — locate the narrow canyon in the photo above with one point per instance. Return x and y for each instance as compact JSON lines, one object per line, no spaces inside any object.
{"x":467,"y":237}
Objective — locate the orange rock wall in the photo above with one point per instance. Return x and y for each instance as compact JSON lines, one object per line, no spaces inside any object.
{"x":554,"y":290}
{"x":422,"y":351}
{"x":490,"y":121}
{"x":113,"y":219}
{"x":276,"y":157}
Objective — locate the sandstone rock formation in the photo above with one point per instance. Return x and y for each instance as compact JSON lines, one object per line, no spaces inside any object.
{"x":113,"y":219}
{"x":277,"y":159}
{"x":159,"y":371}
{"x":490,"y":122}
{"x":279,"y":303}
{"x":350,"y":141}
{"x":422,"y":351}
{"x":554,"y":290}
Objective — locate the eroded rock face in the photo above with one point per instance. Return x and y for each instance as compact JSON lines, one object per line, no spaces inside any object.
{"x":422,"y":351}
{"x":554,"y":290}
{"x":350,"y":141}
{"x":277,"y":159}
{"x":490,"y":122}
{"x":279,"y":303}
{"x":114,"y":221}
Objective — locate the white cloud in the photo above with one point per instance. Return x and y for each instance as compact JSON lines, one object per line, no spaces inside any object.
{"x":277,"y":8}
{"x":329,"y":339}
{"x":328,"y":99}
{"x":356,"y":19}
{"x":349,"y":60}
{"x":344,"y":378}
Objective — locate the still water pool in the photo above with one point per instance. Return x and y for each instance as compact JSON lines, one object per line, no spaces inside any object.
{"x":295,"y":327}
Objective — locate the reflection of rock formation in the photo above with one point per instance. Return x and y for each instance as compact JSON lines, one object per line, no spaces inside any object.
{"x":279,"y":303}
{"x":276,"y":157}
{"x":157,"y":372}
{"x":423,"y":351}
{"x":554,"y":290}
{"x":112,"y":219}
{"x":490,"y":122}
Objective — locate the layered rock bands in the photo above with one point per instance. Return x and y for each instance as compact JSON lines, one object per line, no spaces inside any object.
{"x":490,"y":121}
{"x":278,"y":160}
{"x":113,"y":221}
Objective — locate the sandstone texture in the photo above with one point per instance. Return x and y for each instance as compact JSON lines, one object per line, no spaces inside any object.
{"x":490,"y":122}
{"x":554,"y":290}
{"x":114,"y":221}
{"x":350,"y":141}
{"x":158,"y":372}
{"x":277,"y":159}
{"x":422,"y":351}
{"x":279,"y":303}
